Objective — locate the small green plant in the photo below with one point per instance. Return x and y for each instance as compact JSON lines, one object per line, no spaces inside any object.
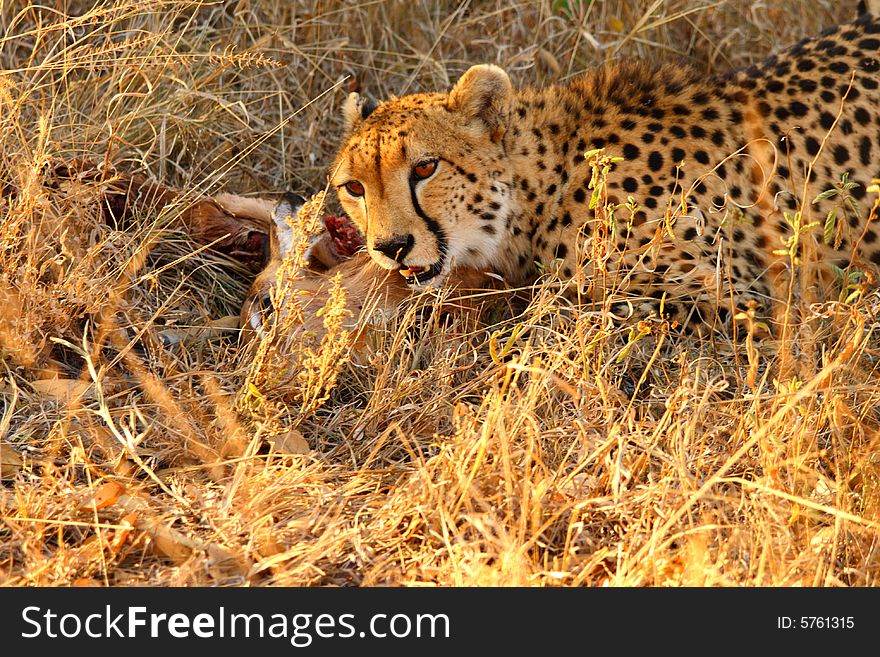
{"x":792,"y":242}
{"x":832,"y":230}
{"x":849,"y":281}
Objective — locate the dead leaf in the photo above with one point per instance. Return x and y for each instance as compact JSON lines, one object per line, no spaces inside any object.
{"x":223,"y":562}
{"x":168,"y":542}
{"x":291,"y":442}
{"x":107,"y":495}
{"x":615,"y":24}
{"x":206,"y":331}
{"x":128,"y":522}
{"x":266,"y":543}
{"x":165,"y":541}
{"x":64,"y":389}
{"x":10,"y":462}
{"x":87,"y":582}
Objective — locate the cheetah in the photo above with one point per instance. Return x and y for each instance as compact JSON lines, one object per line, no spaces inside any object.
{"x":707,"y":177}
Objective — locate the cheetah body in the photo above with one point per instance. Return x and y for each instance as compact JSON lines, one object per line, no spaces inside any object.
{"x":698,"y":205}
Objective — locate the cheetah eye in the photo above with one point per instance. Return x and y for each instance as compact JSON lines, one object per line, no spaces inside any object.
{"x":354,"y":188}
{"x":425,"y":169}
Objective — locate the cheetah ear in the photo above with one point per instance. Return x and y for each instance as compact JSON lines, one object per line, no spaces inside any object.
{"x":355,"y":110}
{"x":483,"y":93}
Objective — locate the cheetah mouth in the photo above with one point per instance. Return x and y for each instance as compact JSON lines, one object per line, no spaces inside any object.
{"x":417,"y":275}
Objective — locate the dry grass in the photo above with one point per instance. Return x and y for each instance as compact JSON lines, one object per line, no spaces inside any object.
{"x":553,"y":448}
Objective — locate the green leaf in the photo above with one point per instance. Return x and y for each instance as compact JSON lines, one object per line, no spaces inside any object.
{"x":828,"y":193}
{"x":830,"y":226}
{"x":594,"y":198}
{"x":562,"y":7}
{"x":838,"y":272}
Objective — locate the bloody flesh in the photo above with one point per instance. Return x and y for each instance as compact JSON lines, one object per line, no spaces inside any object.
{"x":346,"y":237}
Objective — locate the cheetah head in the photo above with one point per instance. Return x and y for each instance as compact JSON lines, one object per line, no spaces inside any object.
{"x":425,"y":176}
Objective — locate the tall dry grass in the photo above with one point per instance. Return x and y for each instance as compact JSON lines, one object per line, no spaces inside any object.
{"x":548,"y":446}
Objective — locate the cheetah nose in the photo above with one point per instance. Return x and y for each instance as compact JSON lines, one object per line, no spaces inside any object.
{"x":397,"y":247}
